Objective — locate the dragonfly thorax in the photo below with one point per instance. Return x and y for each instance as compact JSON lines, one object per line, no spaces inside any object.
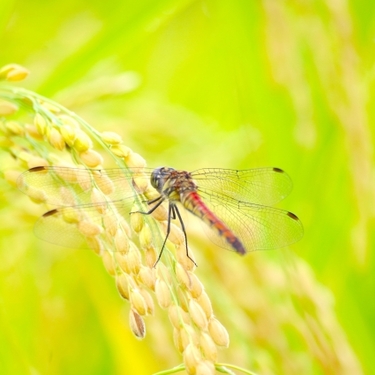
{"x":171,"y":183}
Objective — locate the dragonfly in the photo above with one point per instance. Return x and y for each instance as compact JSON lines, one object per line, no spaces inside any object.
{"x":235,"y":205}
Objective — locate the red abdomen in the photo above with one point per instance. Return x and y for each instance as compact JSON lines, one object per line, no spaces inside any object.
{"x":193,"y":202}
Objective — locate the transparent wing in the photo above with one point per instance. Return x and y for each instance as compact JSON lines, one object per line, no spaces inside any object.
{"x":64,"y":186}
{"x":258,"y":227}
{"x":84,"y":225}
{"x":94,"y":226}
{"x":93,"y":205}
{"x":265,"y":186}
{"x":57,"y":185}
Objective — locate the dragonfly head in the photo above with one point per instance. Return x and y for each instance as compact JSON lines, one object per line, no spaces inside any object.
{"x":159,"y":176}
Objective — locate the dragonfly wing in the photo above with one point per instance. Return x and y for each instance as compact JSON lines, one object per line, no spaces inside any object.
{"x":93,"y":205}
{"x":80,"y":226}
{"x":265,"y":186}
{"x":64,"y":186}
{"x":258,"y":227}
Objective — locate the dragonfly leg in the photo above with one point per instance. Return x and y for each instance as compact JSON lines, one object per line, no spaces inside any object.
{"x":171,"y":214}
{"x":177,"y":212}
{"x":159,"y":201}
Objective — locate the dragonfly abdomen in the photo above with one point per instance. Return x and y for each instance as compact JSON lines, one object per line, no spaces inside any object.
{"x":195,"y":205}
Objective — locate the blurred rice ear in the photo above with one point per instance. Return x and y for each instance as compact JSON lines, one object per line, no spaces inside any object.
{"x":39,"y":133}
{"x":13,"y":73}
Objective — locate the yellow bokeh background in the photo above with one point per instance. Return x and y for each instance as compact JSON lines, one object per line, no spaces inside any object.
{"x":194,"y":84}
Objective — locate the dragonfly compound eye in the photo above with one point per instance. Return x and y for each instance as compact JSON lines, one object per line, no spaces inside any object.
{"x":159,"y":176}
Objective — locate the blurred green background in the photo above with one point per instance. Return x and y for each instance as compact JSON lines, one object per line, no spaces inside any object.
{"x":195,"y":84}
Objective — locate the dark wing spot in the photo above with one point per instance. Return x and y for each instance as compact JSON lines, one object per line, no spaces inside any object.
{"x":292,"y":216}
{"x":278,"y":170}
{"x":50,"y":213}
{"x":37,"y":169}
